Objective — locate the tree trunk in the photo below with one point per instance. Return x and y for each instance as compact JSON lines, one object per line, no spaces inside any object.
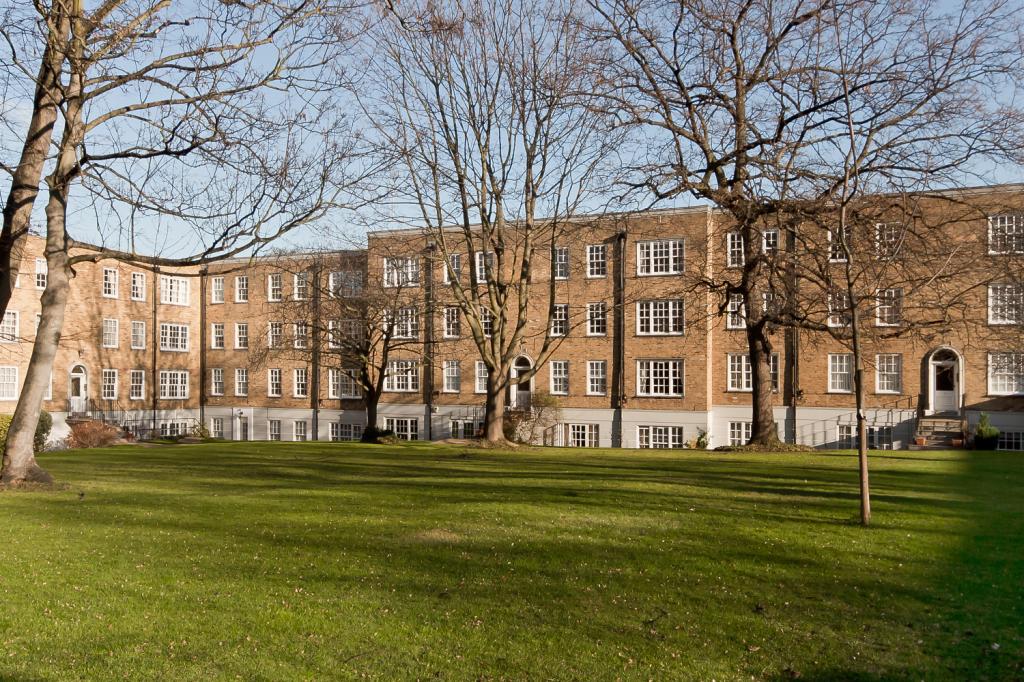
{"x":25,"y":179}
{"x":862,"y":445}
{"x":19,"y":462}
{"x":494,"y":415}
{"x":763,"y":430}
{"x":369,"y":433}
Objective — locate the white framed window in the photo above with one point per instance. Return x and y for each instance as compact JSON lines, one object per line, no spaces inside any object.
{"x":484,"y":263}
{"x":560,"y":262}
{"x":108,"y":388}
{"x":242,"y":289}
{"x":274,"y":429}
{"x":838,"y":241}
{"x":1010,"y":440}
{"x":300,"y":382}
{"x":138,"y":292}
{"x":662,"y":257}
{"x":241,"y":382}
{"x":736,"y":313}
{"x":174,"y":290}
{"x":275,"y":287}
{"x":8,"y":383}
{"x":110,"y":333}
{"x":452,"y":322}
{"x":453,"y":270}
{"x":481,"y":377}
{"x":486,"y":321}
{"x":137,"y":384}
{"x":739,"y":374}
{"x":402,"y":376}
{"x":9,"y":328}
{"x":735,"y":256}
{"x":597,"y":319}
{"x":739,"y":433}
{"x":888,"y":239}
{"x":559,"y":371}
{"x":300,"y":286}
{"x":300,"y":335}
{"x":452,"y":377}
{"x":659,"y":317}
{"x":274,"y":383}
{"x":597,"y":260}
{"x":584,"y":435}
{"x":110,"y":277}
{"x":1006,"y":234}
{"x":465,"y":428}
{"x":341,"y":383}
{"x":560,"y":319}
{"x":597,"y":377}
{"x":401,"y":271}
{"x":216,"y":381}
{"x":217,"y":427}
{"x":660,"y":437}
{"x":1006,"y":373}
{"x":838,"y":308}
{"x":333,"y":335}
{"x":173,"y":337}
{"x":217,"y":335}
{"x":889,"y":307}
{"x":840,"y":373}
{"x":275,"y":334}
{"x":341,"y":431}
{"x":138,"y":340}
{"x":888,"y":373}
{"x":352,"y":330}
{"x":770,"y":242}
{"x":217,"y":289}
{"x":406,"y":323}
{"x":404,"y":429}
{"x":241,"y":335}
{"x":659,"y":378}
{"x":1005,"y":304}
{"x":173,"y":385}
{"x":299,"y":430}
{"x":41,"y":271}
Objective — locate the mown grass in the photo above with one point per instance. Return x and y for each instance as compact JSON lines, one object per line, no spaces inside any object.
{"x":319,"y":561}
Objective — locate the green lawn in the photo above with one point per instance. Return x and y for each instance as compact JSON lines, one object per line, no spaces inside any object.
{"x":314,"y":561}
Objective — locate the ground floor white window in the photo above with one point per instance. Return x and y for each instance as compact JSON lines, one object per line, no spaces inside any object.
{"x":660,"y":437}
{"x":739,"y":433}
{"x":274,"y":429}
{"x":888,"y":373}
{"x":299,"y":430}
{"x":137,"y":387}
{"x":465,"y":428}
{"x":845,"y":437}
{"x":171,"y":429}
{"x":1006,"y":373}
{"x":109,"y":386}
{"x":659,"y":378}
{"x":584,"y":435}
{"x":1010,"y":440}
{"x":348,"y":432}
{"x":840,"y":373}
{"x":217,"y":427}
{"x":404,"y":429}
{"x":879,"y":437}
{"x":173,"y":385}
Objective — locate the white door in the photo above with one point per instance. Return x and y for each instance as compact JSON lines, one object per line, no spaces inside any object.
{"x":243,"y":428}
{"x":944,"y":382}
{"x":78,"y":391}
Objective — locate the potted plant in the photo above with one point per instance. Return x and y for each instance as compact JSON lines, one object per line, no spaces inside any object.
{"x":986,"y":436}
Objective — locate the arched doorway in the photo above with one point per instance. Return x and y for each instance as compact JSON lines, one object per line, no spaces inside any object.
{"x":78,"y":390}
{"x":945,"y":381}
{"x":521,"y":390}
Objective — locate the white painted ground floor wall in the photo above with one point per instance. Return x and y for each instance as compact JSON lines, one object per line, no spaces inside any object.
{"x":815,"y":426}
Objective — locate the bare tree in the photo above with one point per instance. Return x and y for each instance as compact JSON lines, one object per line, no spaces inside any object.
{"x":171,"y":116}
{"x":487,"y":110}
{"x":750,"y":105}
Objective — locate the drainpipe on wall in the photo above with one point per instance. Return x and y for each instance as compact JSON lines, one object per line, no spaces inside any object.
{"x":202,"y":345}
{"x":428,"y":338}
{"x":619,"y":349}
{"x":154,"y":376}
{"x":314,"y":393}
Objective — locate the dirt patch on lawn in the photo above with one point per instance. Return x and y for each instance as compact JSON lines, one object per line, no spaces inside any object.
{"x":436,"y":536}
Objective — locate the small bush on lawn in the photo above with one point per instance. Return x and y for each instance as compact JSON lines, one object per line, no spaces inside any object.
{"x":93,"y":434}
{"x":986,"y":436}
{"x":372,"y":434}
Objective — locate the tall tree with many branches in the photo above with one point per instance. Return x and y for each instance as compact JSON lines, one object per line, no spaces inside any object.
{"x":213,"y":118}
{"x":488,"y":112}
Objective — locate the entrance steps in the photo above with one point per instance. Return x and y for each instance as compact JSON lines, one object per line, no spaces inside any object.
{"x":938,"y":433}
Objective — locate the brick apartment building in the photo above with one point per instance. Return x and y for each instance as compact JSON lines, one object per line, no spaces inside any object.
{"x":642,"y":356}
